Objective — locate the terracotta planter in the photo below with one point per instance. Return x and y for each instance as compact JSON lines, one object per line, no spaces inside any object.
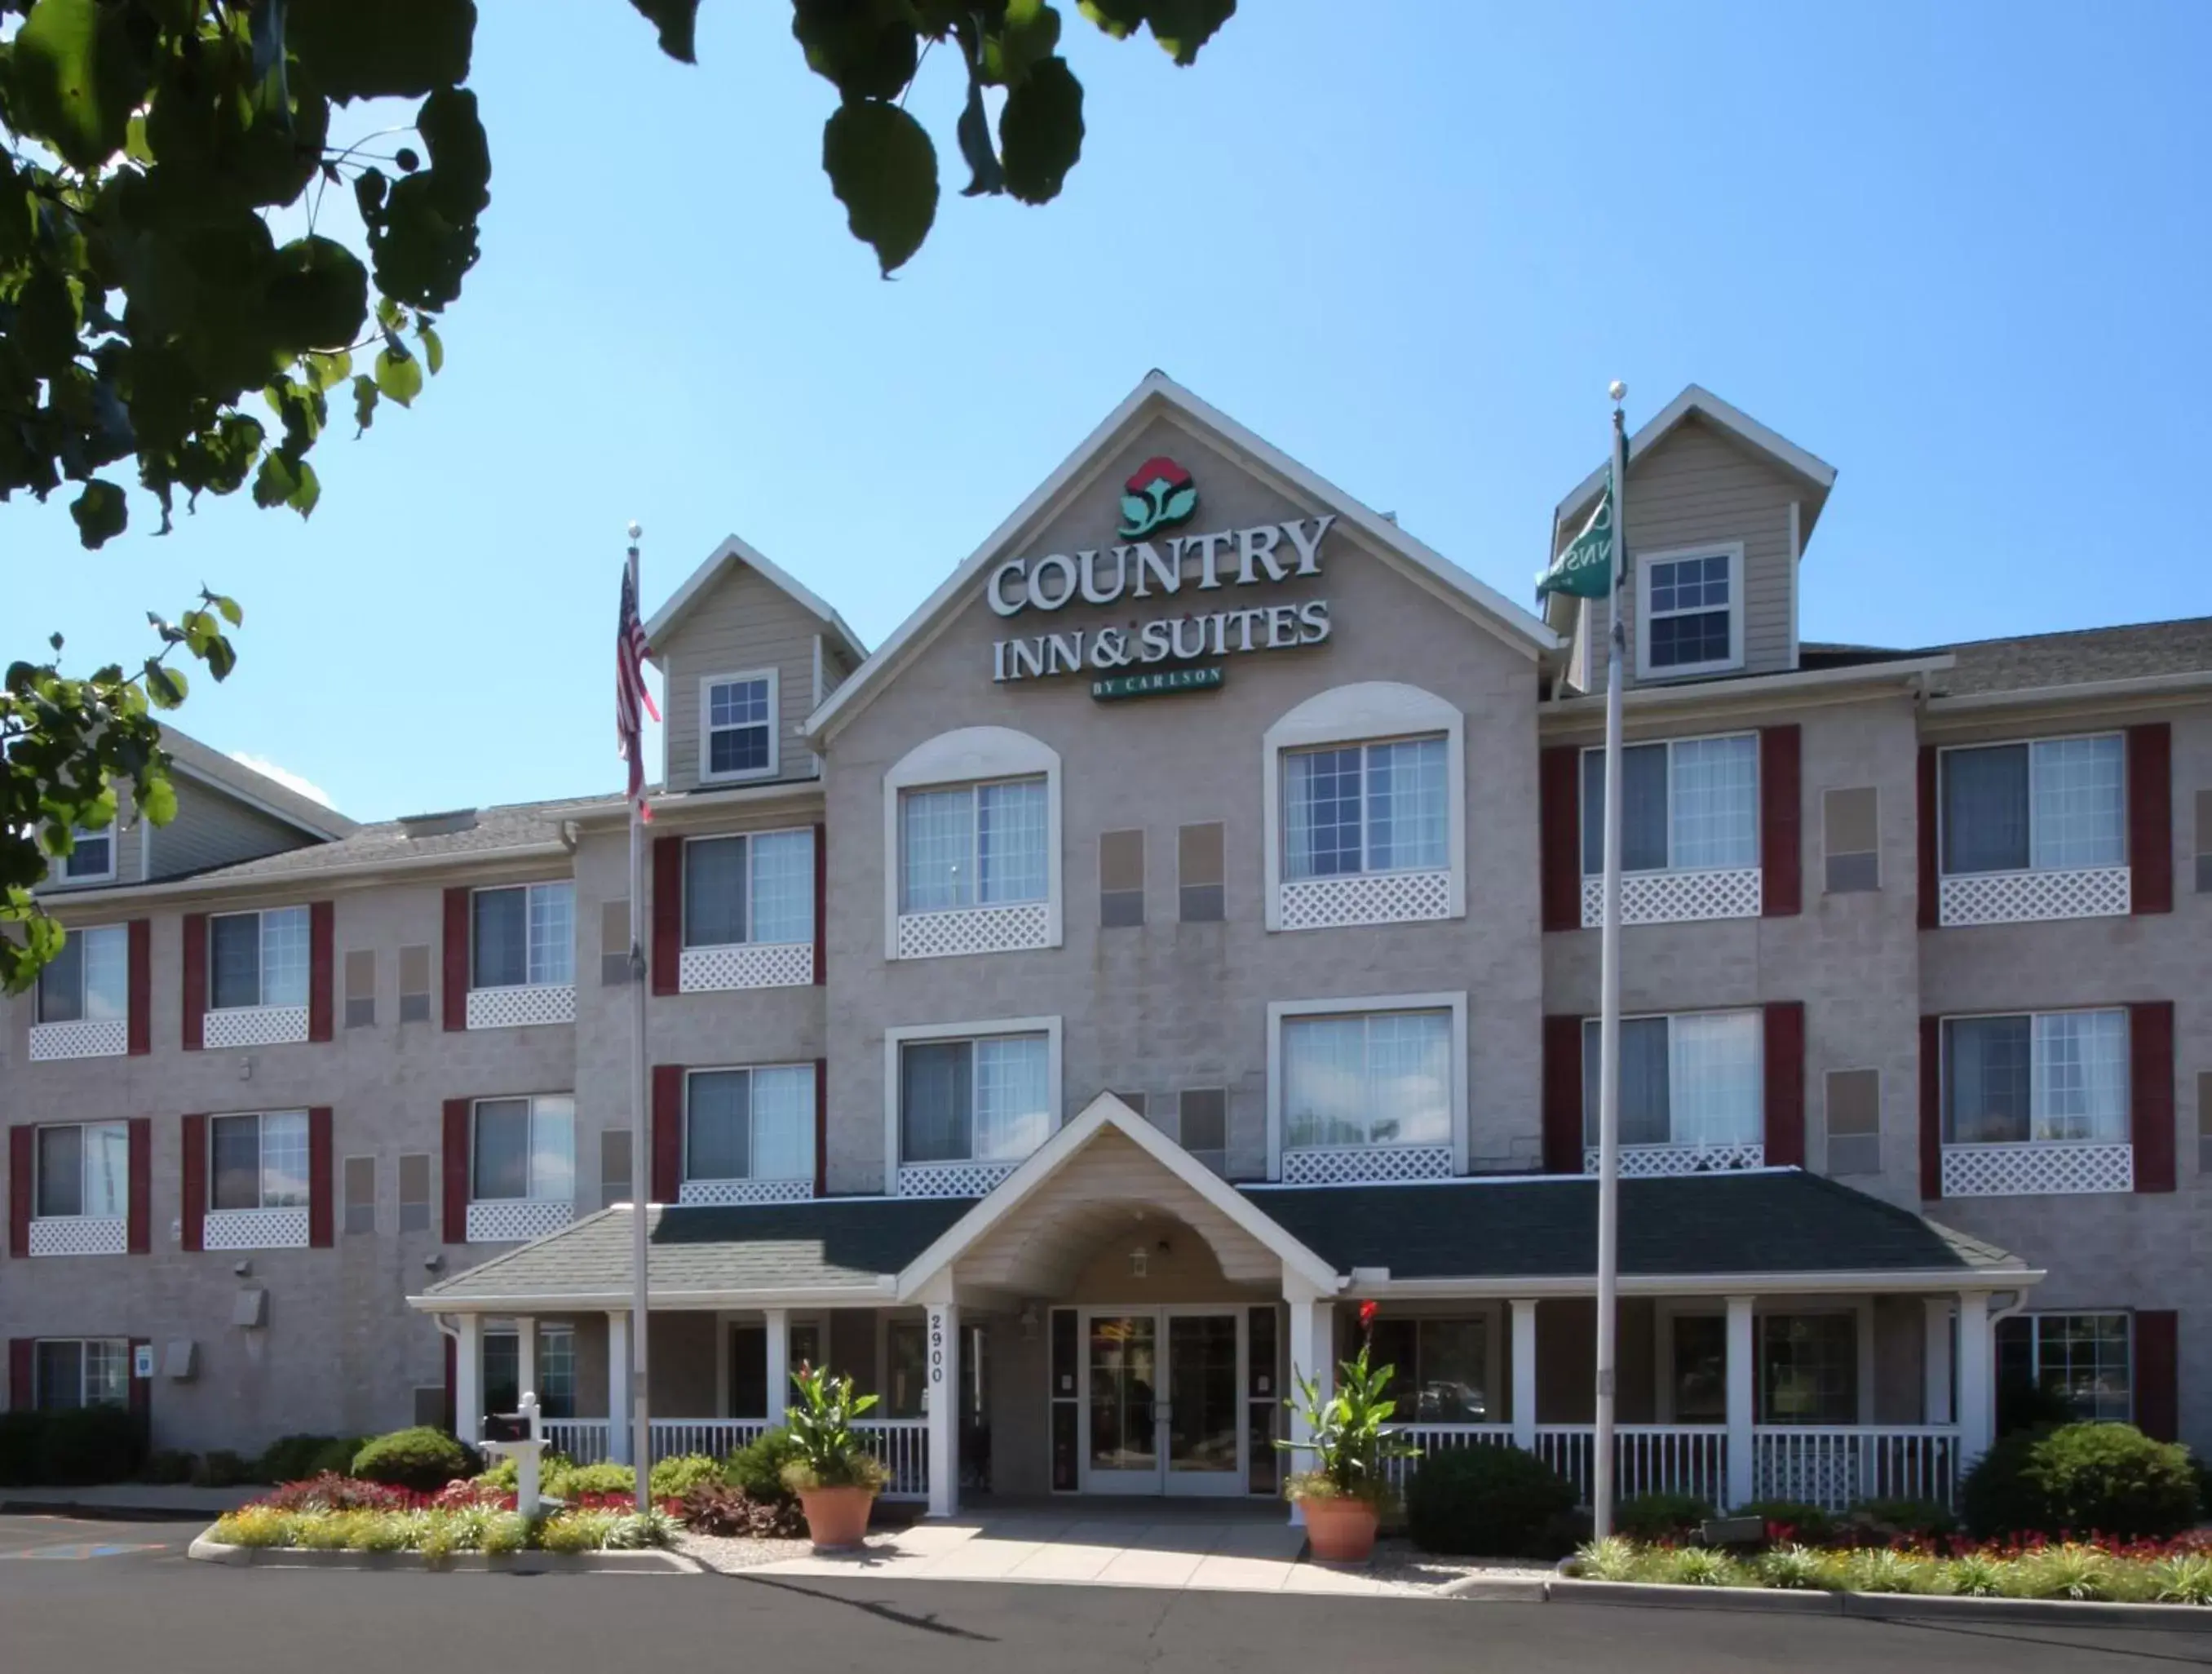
{"x":1340,"y":1531}
{"x":837,"y":1517}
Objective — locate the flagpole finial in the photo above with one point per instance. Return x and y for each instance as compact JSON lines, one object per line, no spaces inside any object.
{"x":635,"y":529}
{"x":1618,"y":390}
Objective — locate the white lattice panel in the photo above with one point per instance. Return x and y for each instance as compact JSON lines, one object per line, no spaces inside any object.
{"x":255,"y":1229}
{"x":1675,"y":898}
{"x":935,"y":935}
{"x":254,"y":1026}
{"x":953,"y":1180}
{"x":717,"y":1193}
{"x":2022,"y":897}
{"x":508,"y":1220}
{"x":1387,"y":898}
{"x":108,"y":1038}
{"x":80,"y":1235}
{"x":751,"y":964}
{"x":519,"y":1008}
{"x":2032,"y":1170}
{"x":1643,"y":1162}
{"x":1368,"y":1165}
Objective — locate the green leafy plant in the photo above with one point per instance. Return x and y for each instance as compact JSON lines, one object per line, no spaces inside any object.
{"x":2185,"y":1578}
{"x":1488,"y":1501}
{"x":576,"y":1531}
{"x":504,"y":1531}
{"x":2107,"y":1479}
{"x":2070,"y":1570}
{"x":1661,"y":1516}
{"x":755,"y":1470}
{"x":714,"y":1509}
{"x":1345,"y":1434}
{"x":221,"y":1468}
{"x":1693,"y":1566}
{"x":634,"y":1531}
{"x":257,"y":1526}
{"x":1615,"y":1558}
{"x":1792,"y":1566}
{"x":577,"y":1481}
{"x":673,"y":1478}
{"x":1885,"y":1569}
{"x":826,"y":1450}
{"x":1886,"y":1522}
{"x":292,"y":1459}
{"x":422,"y":1458}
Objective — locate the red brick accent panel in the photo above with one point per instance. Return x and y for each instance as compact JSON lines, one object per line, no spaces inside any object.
{"x":821,"y":1110}
{"x":192,"y":1136}
{"x":456,"y":1168}
{"x":1781,"y":823}
{"x":138,"y":1237}
{"x":1558,"y":800}
{"x":1785,"y":1083}
{"x":2157,"y":1374}
{"x":2150,"y":818}
{"x":195,"y":979}
{"x":667,"y":951}
{"x":1930,"y":899}
{"x":139,"y":1026}
{"x":456,"y":959}
{"x":667,"y":1132}
{"x":21,"y":1396}
{"x":1931,"y":1108}
{"x":821,"y":915}
{"x":22,"y":1142}
{"x":142,"y":1389}
{"x":322,"y":951}
{"x":1563,"y":1095}
{"x":322,"y":1219}
{"x":2150,"y":1092}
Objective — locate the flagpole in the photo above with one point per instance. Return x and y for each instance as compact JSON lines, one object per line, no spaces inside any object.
{"x":1608,"y":1028}
{"x":640,"y":1153}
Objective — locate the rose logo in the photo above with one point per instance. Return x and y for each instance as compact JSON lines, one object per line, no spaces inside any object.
{"x":1158,"y":494}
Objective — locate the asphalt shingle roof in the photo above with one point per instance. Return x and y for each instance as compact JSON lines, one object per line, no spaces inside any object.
{"x":514,"y":826}
{"x":2128,"y":652}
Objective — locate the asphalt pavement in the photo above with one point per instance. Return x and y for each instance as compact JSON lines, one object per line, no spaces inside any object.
{"x":76,"y":1594}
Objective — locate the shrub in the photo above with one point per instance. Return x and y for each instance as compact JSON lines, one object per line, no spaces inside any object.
{"x":2109,"y":1479}
{"x":335,"y":1493}
{"x":256,"y":1525}
{"x":578,"y":1481}
{"x":334,"y":1457}
{"x":673,"y":1478}
{"x":1793,"y":1566}
{"x":88,"y":1445}
{"x":1690,"y":1566}
{"x":167,"y":1464}
{"x":714,"y":1509}
{"x":1486,"y":1502}
{"x":221,"y":1468}
{"x":1660,"y":1516}
{"x":504,"y":1532}
{"x":1885,"y":1522}
{"x":576,"y":1532}
{"x":633,"y":1532}
{"x":1613,"y":1559}
{"x":755,"y":1470}
{"x":1813,"y":1525}
{"x":422,"y":1458}
{"x":2185,"y":1578}
{"x":505,"y":1472}
{"x":1879,"y":1569}
{"x":292,"y":1459}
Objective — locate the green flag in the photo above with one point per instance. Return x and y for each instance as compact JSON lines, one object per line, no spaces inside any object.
{"x":1584,"y":568}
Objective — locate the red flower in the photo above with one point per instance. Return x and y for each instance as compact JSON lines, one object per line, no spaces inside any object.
{"x":1158,"y":468}
{"x":1366,"y":1316}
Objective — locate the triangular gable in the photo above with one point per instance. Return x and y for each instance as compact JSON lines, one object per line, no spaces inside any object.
{"x":1158,"y":396}
{"x":1731,"y":420}
{"x":257,"y":791}
{"x":1047,"y":1159}
{"x":734,"y":551}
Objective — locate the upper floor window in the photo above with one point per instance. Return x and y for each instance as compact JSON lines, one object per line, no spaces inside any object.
{"x":1365,"y":808}
{"x":1690,"y":1081}
{"x":2052,"y":805}
{"x":1690,"y":611}
{"x":525,"y":936}
{"x":257,"y":958}
{"x":974,"y":846}
{"x":84,"y":1170}
{"x":1687,"y":805}
{"x":985,"y":1100}
{"x":93,"y":860}
{"x":2083,"y":1358}
{"x":737,"y":726}
{"x":83,"y":1372}
{"x":260,"y":1162}
{"x":1378,"y":1078}
{"x":749,"y":1125}
{"x":2049,"y":1077}
{"x":89,"y":980}
{"x":525,"y":1149}
{"x":755,"y":888}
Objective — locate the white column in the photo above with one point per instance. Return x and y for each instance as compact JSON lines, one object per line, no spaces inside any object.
{"x":1742,"y":1402}
{"x":942,"y":1398}
{"x":779,"y":1362}
{"x":1936,"y":1362}
{"x":1524,"y":1374}
{"x":526,"y":1357}
{"x":468,"y":1379}
{"x":1977,"y":1384}
{"x":618,"y":1437}
{"x":1313,"y":1355}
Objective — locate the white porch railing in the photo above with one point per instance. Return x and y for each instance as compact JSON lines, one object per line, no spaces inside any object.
{"x":1833,"y":1465}
{"x":579,"y":1440}
{"x":902,"y":1443}
{"x":1648,"y":1459}
{"x":717,"y":1438}
{"x":1435,"y":1439}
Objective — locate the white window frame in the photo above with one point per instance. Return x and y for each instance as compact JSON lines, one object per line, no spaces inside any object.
{"x":686,"y":1176}
{"x":1586,"y":808}
{"x":970,"y":756}
{"x":82,"y":1343}
{"x":2034,"y":1318}
{"x":1943,"y":800}
{"x":1757,"y":1141}
{"x":260,"y":1119}
{"x":39,"y":1211}
{"x":1730,"y":549}
{"x":2036,"y":1074}
{"x":262,"y":1002}
{"x":813,"y":839}
{"x":1454,"y":1002}
{"x":707,"y":729}
{"x":527,"y":933}
{"x":531,"y":1194}
{"x":1364,"y":712}
{"x":113,"y":831}
{"x":896,"y":1039}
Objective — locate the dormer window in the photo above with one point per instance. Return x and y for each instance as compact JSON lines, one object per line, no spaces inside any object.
{"x":93,"y":860}
{"x":1689,"y":611}
{"x":737,"y":726}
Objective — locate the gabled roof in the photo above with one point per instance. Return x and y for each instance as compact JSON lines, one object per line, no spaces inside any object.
{"x":1816,"y":473}
{"x":256,"y":790}
{"x":734,"y":551}
{"x":1160,"y":394}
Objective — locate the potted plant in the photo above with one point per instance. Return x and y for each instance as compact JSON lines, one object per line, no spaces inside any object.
{"x":1345,"y":1493}
{"x":834,"y":1476}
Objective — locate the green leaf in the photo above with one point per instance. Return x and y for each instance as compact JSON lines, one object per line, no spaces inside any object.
{"x":1028,"y":35}
{"x":866,"y":48}
{"x":157,"y":801}
{"x":318,"y":295}
{"x":677,"y":21}
{"x":226,"y":608}
{"x":1041,"y":131}
{"x":883,"y":170}
{"x":217,"y":652}
{"x":76,"y":72}
{"x":285,"y":482}
{"x":100,"y":513}
{"x":433,"y":347}
{"x":973,"y":130}
{"x":1181,"y":504}
{"x":165,"y":686}
{"x":399,"y":376}
{"x":1181,"y":27}
{"x":364,"y":402}
{"x":367,"y":49}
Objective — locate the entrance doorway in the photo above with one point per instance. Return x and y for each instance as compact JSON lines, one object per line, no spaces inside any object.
{"x":1163,"y":1399}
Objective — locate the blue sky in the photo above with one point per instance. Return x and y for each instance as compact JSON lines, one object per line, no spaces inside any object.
{"x":1959,"y":252}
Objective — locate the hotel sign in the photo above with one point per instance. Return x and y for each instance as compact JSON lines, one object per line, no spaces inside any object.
{"x":1157,"y":682}
{"x":1160,"y":496}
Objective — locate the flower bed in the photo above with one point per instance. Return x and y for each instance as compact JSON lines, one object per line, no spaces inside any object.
{"x":2167,"y":1571}
{"x":340,"y":1514}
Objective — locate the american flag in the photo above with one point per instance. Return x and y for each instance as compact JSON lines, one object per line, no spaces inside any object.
{"x":630,"y":694}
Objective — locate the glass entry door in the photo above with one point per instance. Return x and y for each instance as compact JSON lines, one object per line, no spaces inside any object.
{"x":1163,"y":1401}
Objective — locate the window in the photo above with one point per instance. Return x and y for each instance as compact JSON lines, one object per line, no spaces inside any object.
{"x":1442,"y":1368}
{"x":2054,"y":805}
{"x":1700,"y":1368}
{"x":1691,"y":1079}
{"x":737,"y":732}
{"x":614,"y":1167}
{"x":83,"y":1170}
{"x":1202,"y":1125}
{"x":360,"y":988}
{"x":415,"y":984}
{"x":414,"y":1191}
{"x":906,"y":1368}
{"x":749,"y":1371}
{"x":1854,"y":1121}
{"x":1382,"y":1078}
{"x":755,"y":888}
{"x":260,"y":1162}
{"x":93,"y":860}
{"x":1851,"y":840}
{"x":1687,"y":805}
{"x":525,"y":936}
{"x":1365,"y":808}
{"x":360,"y":1180}
{"x":1690,"y":617}
{"x":1120,"y":880}
{"x":2204,"y":842}
{"x":973,"y":846}
{"x":88,"y":1371}
{"x":749,"y":1125}
{"x":501,"y":1389}
{"x":525,"y":1149}
{"x":2083,"y":1358}
{"x":614,"y":944}
{"x":1809,"y":1368}
{"x":89,"y":980}
{"x":1201,"y":870}
{"x":257,"y":958}
{"x":989,"y":1099}
{"x":556,"y":1370}
{"x":2051,"y":1076}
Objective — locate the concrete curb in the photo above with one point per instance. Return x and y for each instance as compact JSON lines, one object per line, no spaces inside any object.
{"x":1775,"y":1601}
{"x":1882,"y":1606}
{"x":1495,"y":1589}
{"x":650,"y":1562}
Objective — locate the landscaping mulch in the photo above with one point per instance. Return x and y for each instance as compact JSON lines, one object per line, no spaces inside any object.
{"x":1402,"y":1563}
{"x":726,"y":1554}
